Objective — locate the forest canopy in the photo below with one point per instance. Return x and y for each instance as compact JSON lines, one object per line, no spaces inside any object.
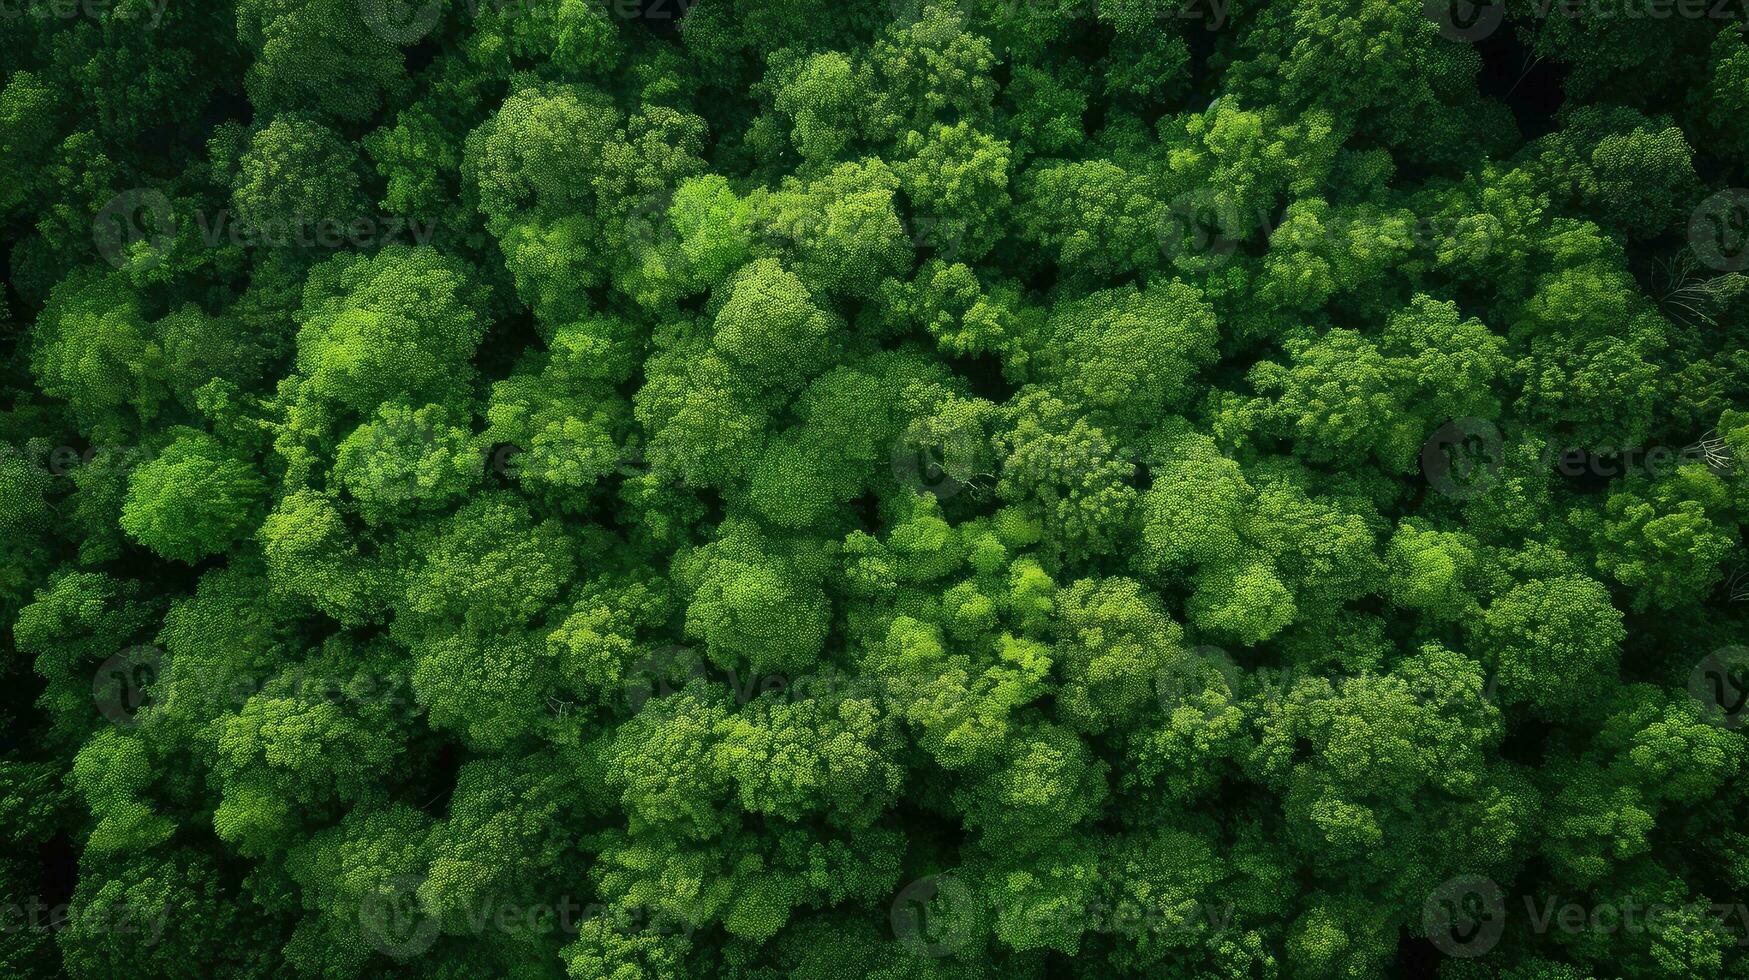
{"x":746,"y":489}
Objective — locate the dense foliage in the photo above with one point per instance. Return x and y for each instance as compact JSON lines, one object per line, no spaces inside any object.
{"x":959,"y":488}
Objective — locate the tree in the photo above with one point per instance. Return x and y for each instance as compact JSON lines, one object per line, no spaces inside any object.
{"x":195,"y":498}
{"x":1552,"y":643}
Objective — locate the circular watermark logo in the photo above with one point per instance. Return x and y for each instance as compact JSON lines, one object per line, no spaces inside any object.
{"x":666,"y":670}
{"x":931,"y":460}
{"x":1720,"y":682}
{"x":1463,"y":458}
{"x":1179,"y":683}
{"x":1200,"y":224}
{"x":135,"y":229}
{"x":400,"y":22}
{"x":1718,"y":230}
{"x":1465,"y":917}
{"x":122,"y":686}
{"x":392,"y":921}
{"x":647,"y":225}
{"x":933,"y":916}
{"x":904,"y":13}
{"x":1465,"y":21}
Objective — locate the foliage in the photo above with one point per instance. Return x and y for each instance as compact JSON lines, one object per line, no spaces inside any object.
{"x":888,"y":488}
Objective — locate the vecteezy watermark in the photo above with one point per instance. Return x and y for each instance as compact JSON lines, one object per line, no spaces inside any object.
{"x":647,"y":225}
{"x":670,"y":667}
{"x":938,"y":915}
{"x":945,"y":239}
{"x":406,"y":22}
{"x":303,"y":231}
{"x":1718,"y":230}
{"x":122,"y":684}
{"x":1182,"y":682}
{"x":401,"y":22}
{"x":394,"y":922}
{"x":135,"y":229}
{"x":1211,"y":14}
{"x":138,"y":228}
{"x":935,"y":916}
{"x":666,"y":669}
{"x":1720,"y":682}
{"x":1466,"y":916}
{"x":149,"y":12}
{"x":138,"y":677}
{"x":110,"y":918}
{"x":1471,"y":21}
{"x":1595,"y":10}
{"x":938,"y":460}
{"x":1466,"y":21}
{"x":65,"y":460}
{"x":1201,"y":223}
{"x":1649,"y":461}
{"x":1629,"y":915}
{"x":1463,"y":457}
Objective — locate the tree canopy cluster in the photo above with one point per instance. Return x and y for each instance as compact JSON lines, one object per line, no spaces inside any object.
{"x":873,"y":488}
